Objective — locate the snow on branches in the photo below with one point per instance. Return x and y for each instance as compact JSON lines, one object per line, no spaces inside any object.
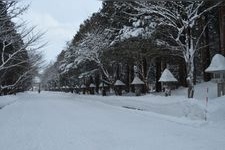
{"x":181,"y":17}
{"x":18,"y":47}
{"x":91,"y":48}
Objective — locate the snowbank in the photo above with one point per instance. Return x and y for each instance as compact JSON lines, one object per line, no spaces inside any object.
{"x":6,"y":100}
{"x":177,"y":105}
{"x":174,"y":106}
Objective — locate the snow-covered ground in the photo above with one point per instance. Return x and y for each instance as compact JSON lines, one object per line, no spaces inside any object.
{"x":65,"y":121}
{"x":6,"y":100}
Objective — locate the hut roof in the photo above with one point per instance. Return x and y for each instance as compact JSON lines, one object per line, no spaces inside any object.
{"x":137,"y":81}
{"x":105,"y":85}
{"x":119,"y":83}
{"x":217,"y":64}
{"x":92,"y":85}
{"x":83,"y":86}
{"x":65,"y":87}
{"x":167,"y":76}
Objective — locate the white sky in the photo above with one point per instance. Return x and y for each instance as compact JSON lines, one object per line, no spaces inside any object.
{"x":60,"y":19}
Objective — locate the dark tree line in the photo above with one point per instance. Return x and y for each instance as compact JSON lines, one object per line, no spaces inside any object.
{"x":19,"y":60}
{"x":181,"y":36}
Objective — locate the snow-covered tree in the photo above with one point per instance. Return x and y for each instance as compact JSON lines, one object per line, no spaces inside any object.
{"x":19,"y":58}
{"x":181,"y":17}
{"x":91,"y":48}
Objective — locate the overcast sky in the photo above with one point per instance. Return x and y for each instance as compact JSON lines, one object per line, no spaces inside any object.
{"x":60,"y":19}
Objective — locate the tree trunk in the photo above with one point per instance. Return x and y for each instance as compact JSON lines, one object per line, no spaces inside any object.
{"x":182,"y":73}
{"x":127,"y":78}
{"x":131,"y":77}
{"x":190,"y":63}
{"x":158,"y":75}
{"x":190,"y":78}
{"x":118,"y":71}
{"x":206,"y":53}
{"x":144,"y":71}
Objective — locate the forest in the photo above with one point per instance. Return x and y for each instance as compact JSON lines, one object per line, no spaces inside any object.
{"x":181,"y":36}
{"x":19,"y":55}
{"x":121,"y":41}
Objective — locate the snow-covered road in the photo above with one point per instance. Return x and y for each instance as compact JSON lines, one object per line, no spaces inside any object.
{"x":59,"y":121}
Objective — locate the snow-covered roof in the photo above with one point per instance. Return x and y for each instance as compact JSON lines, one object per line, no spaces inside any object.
{"x":76,"y":86}
{"x":101,"y":85}
{"x":137,"y":81}
{"x":64,"y":87}
{"x":217,"y":64}
{"x":167,"y":76}
{"x":118,"y":82}
{"x":92,"y":85}
{"x":83,"y":86}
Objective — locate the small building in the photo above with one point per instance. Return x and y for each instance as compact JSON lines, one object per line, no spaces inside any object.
{"x":138,"y":84}
{"x":83,"y":88}
{"x":65,"y":88}
{"x":92,"y":88}
{"x":167,"y":78}
{"x":104,"y":88}
{"x":76,"y":89}
{"x":217,"y":68}
{"x":119,"y":87}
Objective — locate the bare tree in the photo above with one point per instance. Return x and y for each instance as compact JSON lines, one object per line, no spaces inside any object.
{"x":19,"y":46}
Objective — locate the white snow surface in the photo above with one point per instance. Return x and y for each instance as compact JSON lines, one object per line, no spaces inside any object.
{"x":65,"y":121}
{"x":7,"y":100}
{"x":217,"y":64}
{"x":167,"y":76}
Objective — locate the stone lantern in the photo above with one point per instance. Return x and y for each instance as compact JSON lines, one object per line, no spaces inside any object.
{"x":217,"y":68}
{"x":83,"y":88}
{"x":37,"y":84}
{"x":92,"y":88}
{"x":76,"y":89}
{"x":137,"y":85}
{"x":63,"y":88}
{"x":119,"y":87}
{"x":167,"y":79}
{"x":67,"y":89}
{"x":103,"y":87}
